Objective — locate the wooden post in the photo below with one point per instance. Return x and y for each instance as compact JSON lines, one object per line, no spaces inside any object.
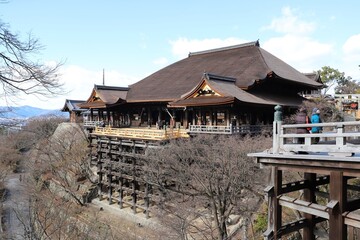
{"x":277,"y":207}
{"x":277,"y":129}
{"x":134,"y":179}
{"x":147,"y":199}
{"x":99,"y":168}
{"x":338,"y":193}
{"x":309,"y":196}
{"x":110,"y":189}
{"x":274,"y":208}
{"x":121,"y":183}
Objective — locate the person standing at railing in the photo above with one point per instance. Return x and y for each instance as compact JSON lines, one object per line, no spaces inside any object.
{"x":302,"y":118}
{"x":315,"y":118}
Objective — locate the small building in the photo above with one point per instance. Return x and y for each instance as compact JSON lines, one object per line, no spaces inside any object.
{"x":313,"y":93}
{"x":75,"y":112}
{"x":349,"y":105}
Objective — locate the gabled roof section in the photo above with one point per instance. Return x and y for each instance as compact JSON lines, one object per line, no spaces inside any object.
{"x":315,"y":76}
{"x":217,"y":90}
{"x":285,"y":71}
{"x":103,"y":96}
{"x":72,"y":105}
{"x":247,"y":63}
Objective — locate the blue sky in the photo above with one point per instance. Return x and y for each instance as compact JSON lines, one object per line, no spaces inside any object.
{"x":132,"y":39}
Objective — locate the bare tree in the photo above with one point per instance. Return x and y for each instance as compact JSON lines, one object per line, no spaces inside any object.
{"x":19,"y":72}
{"x":212,"y":176}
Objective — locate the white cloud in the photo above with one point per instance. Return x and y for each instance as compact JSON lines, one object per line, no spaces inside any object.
{"x":290,"y":23}
{"x":78,"y":83}
{"x":303,"y":53}
{"x":182,"y":46}
{"x":351,"y":57}
{"x":351,"y":47}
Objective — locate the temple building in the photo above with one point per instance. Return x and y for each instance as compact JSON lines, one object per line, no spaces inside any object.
{"x":225,"y":88}
{"x":231,"y":90}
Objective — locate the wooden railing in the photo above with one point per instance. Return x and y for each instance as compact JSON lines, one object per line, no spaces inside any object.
{"x":210,"y":129}
{"x":336,"y":137}
{"x":230,"y":129}
{"x":141,"y":133}
{"x":93,"y":124}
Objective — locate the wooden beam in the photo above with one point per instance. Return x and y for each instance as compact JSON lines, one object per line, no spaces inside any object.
{"x":352,"y":219}
{"x":299,"y":185}
{"x":305,"y":207}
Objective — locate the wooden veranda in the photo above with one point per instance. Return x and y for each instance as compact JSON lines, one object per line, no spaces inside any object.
{"x":329,"y":168}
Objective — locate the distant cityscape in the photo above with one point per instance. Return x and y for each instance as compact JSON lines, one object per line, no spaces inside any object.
{"x":25,"y":112}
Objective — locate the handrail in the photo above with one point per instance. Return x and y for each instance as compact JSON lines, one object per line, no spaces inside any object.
{"x":141,"y":133}
{"x":88,"y":123}
{"x":229,"y":129}
{"x":337,"y":137}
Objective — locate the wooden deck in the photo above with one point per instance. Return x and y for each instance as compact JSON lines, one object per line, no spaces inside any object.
{"x":141,"y":133}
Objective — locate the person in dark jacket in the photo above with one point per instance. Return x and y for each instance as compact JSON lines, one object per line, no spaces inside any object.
{"x":315,"y":118}
{"x":302,"y":118}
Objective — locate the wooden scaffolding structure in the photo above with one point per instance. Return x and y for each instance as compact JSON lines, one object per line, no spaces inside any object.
{"x":334,"y":163}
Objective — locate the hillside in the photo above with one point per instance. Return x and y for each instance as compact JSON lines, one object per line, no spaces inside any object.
{"x":24,"y":112}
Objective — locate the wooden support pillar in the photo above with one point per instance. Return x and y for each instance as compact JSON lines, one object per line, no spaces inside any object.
{"x":309,"y":196}
{"x":227,"y":117}
{"x":110,"y":188}
{"x":108,"y":116}
{"x":121,"y":185}
{"x":338,"y":230}
{"x":134,"y":195}
{"x":147,"y":199}
{"x":134,"y":179}
{"x":274,"y":208}
{"x":149,"y":117}
{"x":277,"y":208}
{"x":99,"y":168}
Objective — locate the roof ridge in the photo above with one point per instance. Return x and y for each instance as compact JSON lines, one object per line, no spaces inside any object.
{"x":212,"y":76}
{"x":248,"y":44}
{"x":111,"y":87}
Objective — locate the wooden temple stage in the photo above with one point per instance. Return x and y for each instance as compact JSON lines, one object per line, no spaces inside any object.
{"x":329,"y":185}
{"x":119,"y":154}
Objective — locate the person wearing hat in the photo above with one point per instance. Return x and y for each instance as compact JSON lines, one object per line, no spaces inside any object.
{"x":315,"y":118}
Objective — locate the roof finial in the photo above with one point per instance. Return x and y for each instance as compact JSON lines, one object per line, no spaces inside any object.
{"x":103,"y":77}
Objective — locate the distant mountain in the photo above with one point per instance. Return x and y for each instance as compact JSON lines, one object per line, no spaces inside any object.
{"x":25,"y":112}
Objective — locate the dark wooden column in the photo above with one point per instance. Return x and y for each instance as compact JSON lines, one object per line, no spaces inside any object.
{"x":109,"y":155}
{"x":91,"y":114}
{"x":278,"y":209}
{"x":149,"y":117}
{"x":274,"y":209}
{"x":309,"y":196}
{"x":337,"y":229}
{"x":99,"y":167}
{"x":147,"y":199}
{"x":121,"y":181}
{"x":186,"y":119}
{"x":134,"y":195}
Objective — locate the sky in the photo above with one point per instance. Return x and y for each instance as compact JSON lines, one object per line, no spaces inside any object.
{"x":129,"y":40}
